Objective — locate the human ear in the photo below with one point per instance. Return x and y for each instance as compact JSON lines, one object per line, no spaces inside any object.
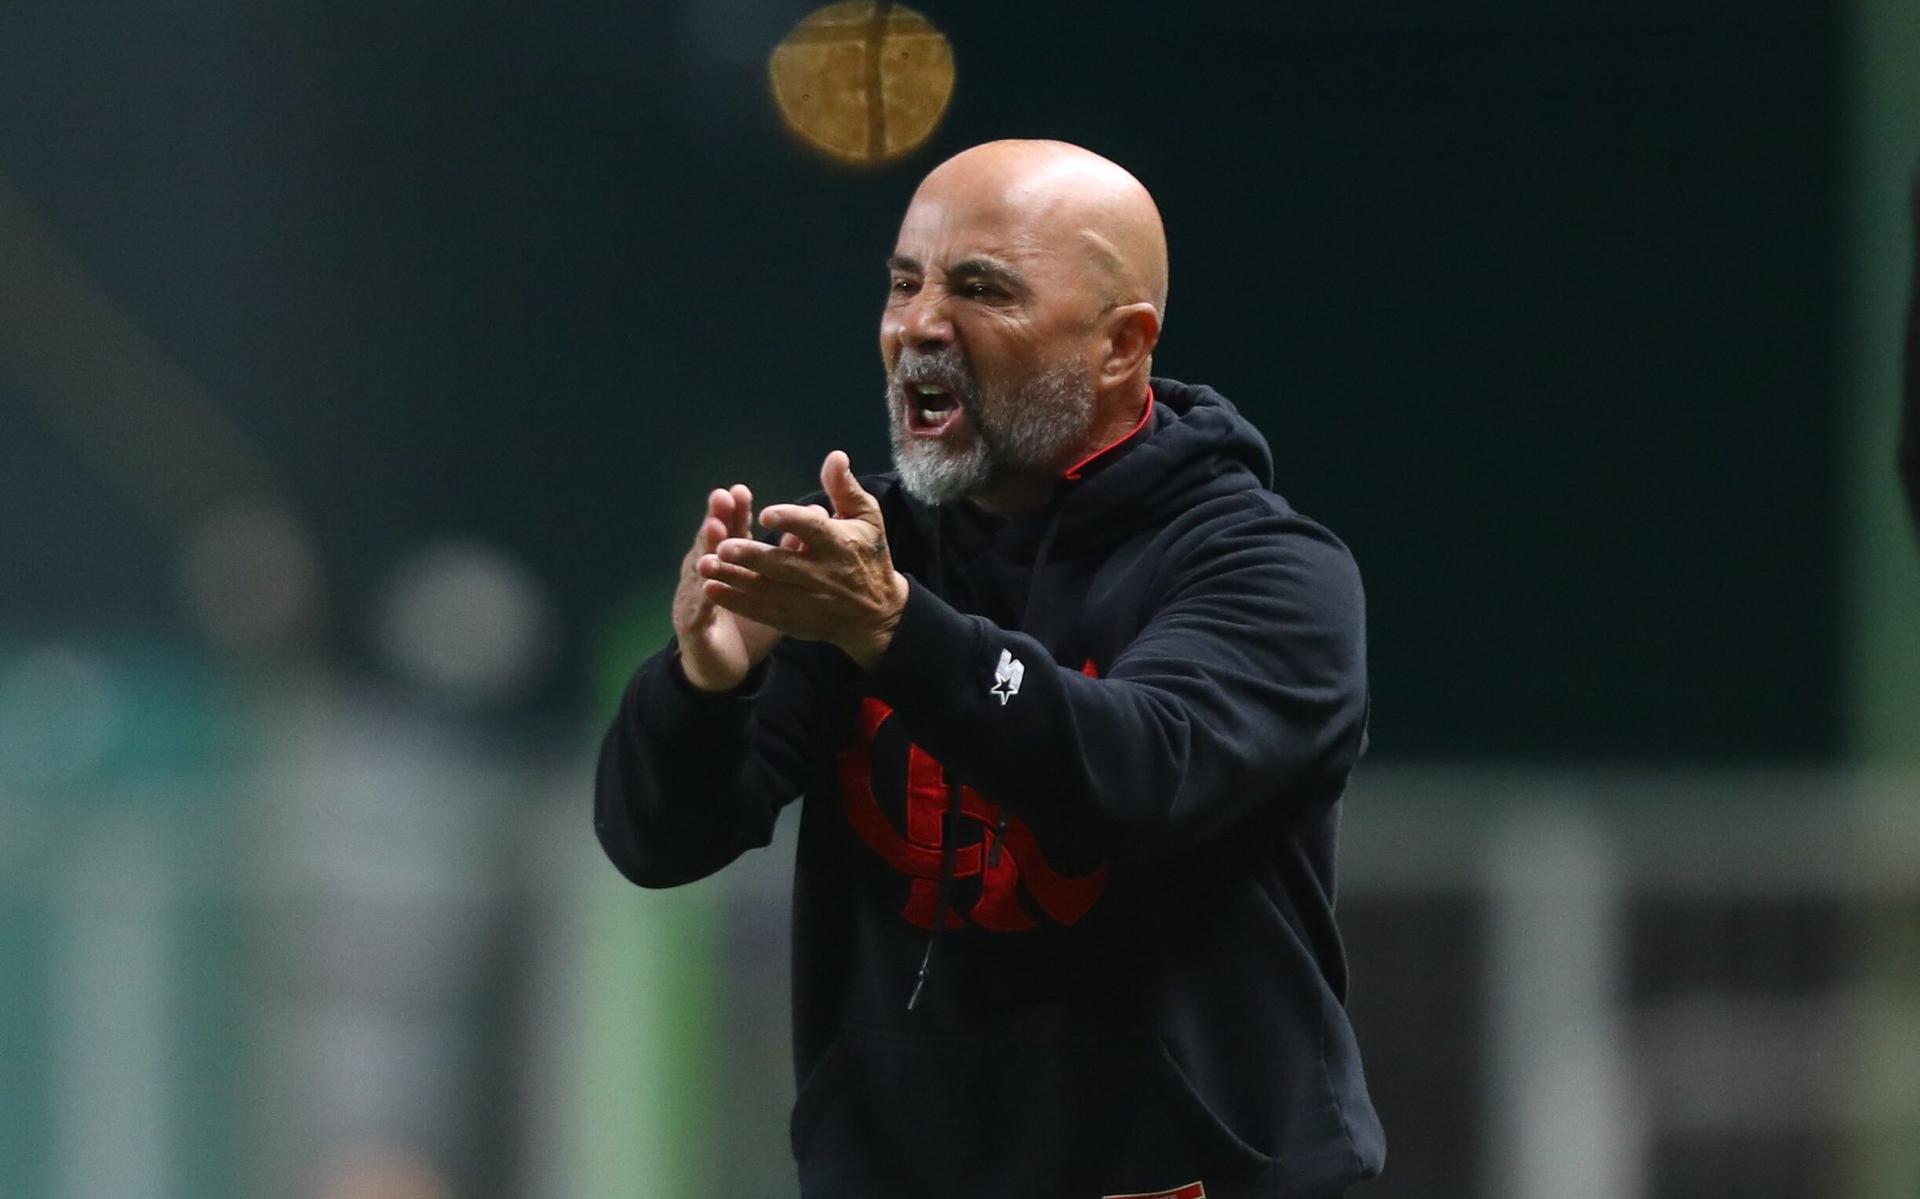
{"x":1132,"y":330}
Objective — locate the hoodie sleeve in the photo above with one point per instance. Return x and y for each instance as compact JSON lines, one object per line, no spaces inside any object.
{"x":1245,"y":688}
{"x":689,"y":780}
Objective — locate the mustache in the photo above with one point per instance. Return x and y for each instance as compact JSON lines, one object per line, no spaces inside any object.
{"x":947,"y":370}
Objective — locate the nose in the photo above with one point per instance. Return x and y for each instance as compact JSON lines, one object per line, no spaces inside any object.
{"x":921,"y":321}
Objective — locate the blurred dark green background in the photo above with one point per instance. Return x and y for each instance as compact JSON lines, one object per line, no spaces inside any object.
{"x":363,"y":368}
{"x":1536,"y":301}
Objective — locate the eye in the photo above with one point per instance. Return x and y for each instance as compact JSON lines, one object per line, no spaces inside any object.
{"x":902,"y":286}
{"x":978,"y":290}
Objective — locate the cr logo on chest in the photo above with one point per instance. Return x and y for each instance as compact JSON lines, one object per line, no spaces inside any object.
{"x":1006,"y":857}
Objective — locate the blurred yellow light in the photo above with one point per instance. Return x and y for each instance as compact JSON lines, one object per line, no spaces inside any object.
{"x":865,"y":82}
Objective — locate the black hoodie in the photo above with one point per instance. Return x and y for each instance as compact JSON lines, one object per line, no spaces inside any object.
{"x":1063,"y":910}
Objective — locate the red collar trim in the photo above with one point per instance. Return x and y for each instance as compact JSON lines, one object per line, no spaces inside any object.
{"x":1073,"y":472}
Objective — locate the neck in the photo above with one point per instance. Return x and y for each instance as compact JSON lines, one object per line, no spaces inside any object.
{"x":1117,"y":416}
{"x":1028,"y":493}
{"x":1012,"y":498}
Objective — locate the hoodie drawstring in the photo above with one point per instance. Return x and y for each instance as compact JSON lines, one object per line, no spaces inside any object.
{"x":943,"y":890}
{"x":943,"y":893}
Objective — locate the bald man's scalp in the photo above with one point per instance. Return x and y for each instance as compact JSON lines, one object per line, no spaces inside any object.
{"x":1078,"y":195}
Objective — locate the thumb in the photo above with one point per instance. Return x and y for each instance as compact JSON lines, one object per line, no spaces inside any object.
{"x":850,"y":500}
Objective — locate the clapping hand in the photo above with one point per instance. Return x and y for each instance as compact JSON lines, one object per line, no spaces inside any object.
{"x":831,"y":577}
{"x":717,"y":648}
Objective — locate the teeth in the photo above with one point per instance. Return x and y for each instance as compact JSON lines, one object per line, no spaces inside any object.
{"x":929,"y":389}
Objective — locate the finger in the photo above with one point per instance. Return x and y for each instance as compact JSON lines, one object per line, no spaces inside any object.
{"x":850,"y":500}
{"x":742,"y":523}
{"x":792,"y":544}
{"x":762,"y":559}
{"x":752,"y":605}
{"x":809,"y":522}
{"x":713,"y":526}
{"x":717,"y":570}
{"x":711,"y":534}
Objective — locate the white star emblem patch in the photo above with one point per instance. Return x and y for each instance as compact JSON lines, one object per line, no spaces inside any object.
{"x":1006,"y":677}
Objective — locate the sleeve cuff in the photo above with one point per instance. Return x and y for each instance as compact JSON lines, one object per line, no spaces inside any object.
{"x":749,"y":688}
{"x":930,"y":648}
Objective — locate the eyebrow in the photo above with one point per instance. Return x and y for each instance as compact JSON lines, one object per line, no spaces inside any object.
{"x":993,"y":272}
{"x":967,"y":268}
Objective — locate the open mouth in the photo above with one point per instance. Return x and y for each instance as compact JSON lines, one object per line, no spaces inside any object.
{"x":932,"y":410}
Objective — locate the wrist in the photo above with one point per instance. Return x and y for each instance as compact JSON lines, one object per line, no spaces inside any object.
{"x":696,"y":679}
{"x":867,"y":649}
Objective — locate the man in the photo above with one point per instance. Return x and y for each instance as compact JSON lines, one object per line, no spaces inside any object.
{"x":1071,"y":698}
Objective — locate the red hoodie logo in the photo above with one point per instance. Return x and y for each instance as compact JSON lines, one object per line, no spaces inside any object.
{"x":1000,"y":859}
{"x":1193,"y":1190}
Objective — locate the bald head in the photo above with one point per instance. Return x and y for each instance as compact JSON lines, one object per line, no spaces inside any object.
{"x":1023,"y":307}
{"x":1069,"y":196}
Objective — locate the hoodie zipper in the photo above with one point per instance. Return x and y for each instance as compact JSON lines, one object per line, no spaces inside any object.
{"x":943,"y":892}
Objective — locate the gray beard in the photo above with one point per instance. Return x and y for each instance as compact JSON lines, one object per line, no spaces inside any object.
{"x":1020,"y":432}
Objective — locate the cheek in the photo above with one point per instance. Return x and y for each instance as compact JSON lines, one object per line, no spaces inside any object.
{"x":1006,"y":358}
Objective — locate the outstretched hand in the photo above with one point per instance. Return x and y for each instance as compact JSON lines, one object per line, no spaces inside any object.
{"x":830,"y":579}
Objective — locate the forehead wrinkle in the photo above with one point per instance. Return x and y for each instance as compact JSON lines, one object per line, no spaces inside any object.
{"x":1082,"y":227}
{"x":960,"y":262}
{"x":1108,"y":265}
{"x":1107,"y":213}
